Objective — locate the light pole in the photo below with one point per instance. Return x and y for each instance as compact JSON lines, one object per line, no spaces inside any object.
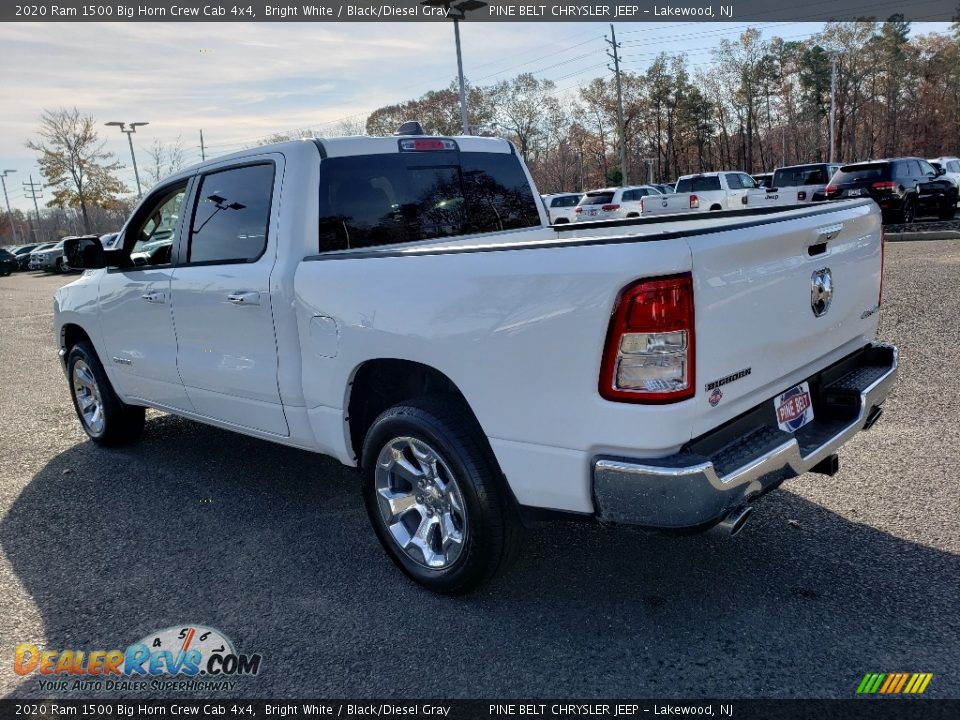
{"x":13,"y":225}
{"x":457,"y":11}
{"x":833,"y":100}
{"x":129,"y":133}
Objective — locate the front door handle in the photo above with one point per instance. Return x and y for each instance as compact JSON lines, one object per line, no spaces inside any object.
{"x":247,"y":297}
{"x":155,"y":296}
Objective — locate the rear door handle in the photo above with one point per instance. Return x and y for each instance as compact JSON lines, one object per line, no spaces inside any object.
{"x":155,"y":296}
{"x":247,"y":297}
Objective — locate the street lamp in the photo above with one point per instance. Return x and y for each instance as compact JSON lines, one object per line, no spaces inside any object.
{"x":130,"y":132}
{"x":13,"y":225}
{"x":457,"y":11}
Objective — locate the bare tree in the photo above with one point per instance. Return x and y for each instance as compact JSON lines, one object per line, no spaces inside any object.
{"x":165,"y":159}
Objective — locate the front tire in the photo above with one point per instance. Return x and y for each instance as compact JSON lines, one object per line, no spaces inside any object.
{"x":105,"y":418}
{"x":436,"y":497}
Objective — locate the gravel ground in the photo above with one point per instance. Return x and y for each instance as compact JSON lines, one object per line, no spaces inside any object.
{"x":831,"y":579}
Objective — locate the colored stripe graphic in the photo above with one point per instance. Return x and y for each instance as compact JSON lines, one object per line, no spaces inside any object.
{"x":894,"y":683}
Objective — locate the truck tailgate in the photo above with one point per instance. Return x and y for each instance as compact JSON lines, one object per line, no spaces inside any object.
{"x":763,"y":322}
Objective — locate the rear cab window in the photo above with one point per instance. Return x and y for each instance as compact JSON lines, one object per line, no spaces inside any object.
{"x":404,"y":197}
{"x":698,"y":184}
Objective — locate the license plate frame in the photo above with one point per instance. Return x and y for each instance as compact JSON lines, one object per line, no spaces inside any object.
{"x":794,"y":408}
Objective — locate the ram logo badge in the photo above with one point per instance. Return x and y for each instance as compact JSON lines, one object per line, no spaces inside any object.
{"x":821,"y":291}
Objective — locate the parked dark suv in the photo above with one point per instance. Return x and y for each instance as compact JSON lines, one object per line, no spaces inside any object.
{"x":902,"y":187}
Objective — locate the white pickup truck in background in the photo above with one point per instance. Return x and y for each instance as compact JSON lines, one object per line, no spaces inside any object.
{"x":793,"y":185}
{"x":402,"y":304}
{"x":702,"y":192}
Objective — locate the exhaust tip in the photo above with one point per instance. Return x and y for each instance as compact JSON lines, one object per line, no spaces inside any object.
{"x":734,"y":521}
{"x":873,"y":417}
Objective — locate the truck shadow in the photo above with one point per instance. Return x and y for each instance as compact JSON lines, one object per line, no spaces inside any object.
{"x":272,"y":546}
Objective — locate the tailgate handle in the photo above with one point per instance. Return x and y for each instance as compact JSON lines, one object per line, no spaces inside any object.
{"x":824,"y":235}
{"x":828,"y":232}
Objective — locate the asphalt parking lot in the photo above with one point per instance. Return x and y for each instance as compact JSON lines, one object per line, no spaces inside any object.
{"x":831,"y":579}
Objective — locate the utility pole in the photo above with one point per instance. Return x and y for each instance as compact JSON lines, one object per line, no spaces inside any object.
{"x":833,"y":100}
{"x":13,"y":225}
{"x":615,"y":56}
{"x":32,"y":191}
{"x":203,"y":150}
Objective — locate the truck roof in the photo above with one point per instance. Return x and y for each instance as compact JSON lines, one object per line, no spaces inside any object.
{"x":353,"y":145}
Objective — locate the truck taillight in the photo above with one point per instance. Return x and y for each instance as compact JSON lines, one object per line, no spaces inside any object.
{"x":641,"y":206}
{"x":831,"y":190}
{"x":883,"y":243}
{"x":649,"y":355}
{"x":610,"y":207}
{"x":694,"y":201}
{"x":578,"y":210}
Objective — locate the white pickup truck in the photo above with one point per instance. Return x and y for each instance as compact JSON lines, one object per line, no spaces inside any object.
{"x":402,"y":304}
{"x":703,"y":191}
{"x":793,"y":185}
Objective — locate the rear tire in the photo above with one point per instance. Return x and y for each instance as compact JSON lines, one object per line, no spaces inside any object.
{"x":435,"y":495}
{"x":949,"y":210}
{"x":105,"y":418}
{"x":908,"y":213}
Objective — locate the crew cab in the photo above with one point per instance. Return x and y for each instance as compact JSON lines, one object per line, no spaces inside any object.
{"x":703,"y":191}
{"x":403,"y":305}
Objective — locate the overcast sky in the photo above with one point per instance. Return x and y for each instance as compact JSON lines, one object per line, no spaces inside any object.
{"x":242,"y":81}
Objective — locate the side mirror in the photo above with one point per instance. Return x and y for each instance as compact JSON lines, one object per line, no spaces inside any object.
{"x":941,"y":171}
{"x":86,"y":253}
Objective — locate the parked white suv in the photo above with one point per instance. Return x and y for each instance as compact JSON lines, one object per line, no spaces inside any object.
{"x":560,"y":207}
{"x":613,"y":203}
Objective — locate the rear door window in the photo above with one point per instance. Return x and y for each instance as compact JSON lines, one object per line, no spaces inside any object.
{"x":231,"y":215}
{"x":371,"y":200}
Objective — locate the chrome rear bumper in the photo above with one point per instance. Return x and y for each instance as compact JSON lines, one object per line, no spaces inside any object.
{"x":713,"y":474}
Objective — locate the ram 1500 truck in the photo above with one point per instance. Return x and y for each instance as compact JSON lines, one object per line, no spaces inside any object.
{"x":401,"y":304}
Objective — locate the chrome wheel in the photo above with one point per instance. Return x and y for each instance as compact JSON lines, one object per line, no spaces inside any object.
{"x":87,"y":393}
{"x":420,"y":502}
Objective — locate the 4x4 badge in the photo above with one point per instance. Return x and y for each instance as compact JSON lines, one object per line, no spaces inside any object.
{"x":821,"y":291}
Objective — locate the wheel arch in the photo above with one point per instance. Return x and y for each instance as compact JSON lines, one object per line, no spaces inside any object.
{"x":380,"y":383}
{"x":71,"y":334}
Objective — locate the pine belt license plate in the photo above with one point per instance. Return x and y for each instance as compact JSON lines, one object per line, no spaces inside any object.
{"x":794,"y":408}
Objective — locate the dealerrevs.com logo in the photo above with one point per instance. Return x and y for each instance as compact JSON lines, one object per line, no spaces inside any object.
{"x":188,"y":657}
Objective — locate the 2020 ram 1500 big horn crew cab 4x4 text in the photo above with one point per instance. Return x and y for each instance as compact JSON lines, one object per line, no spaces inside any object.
{"x":401,"y":304}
